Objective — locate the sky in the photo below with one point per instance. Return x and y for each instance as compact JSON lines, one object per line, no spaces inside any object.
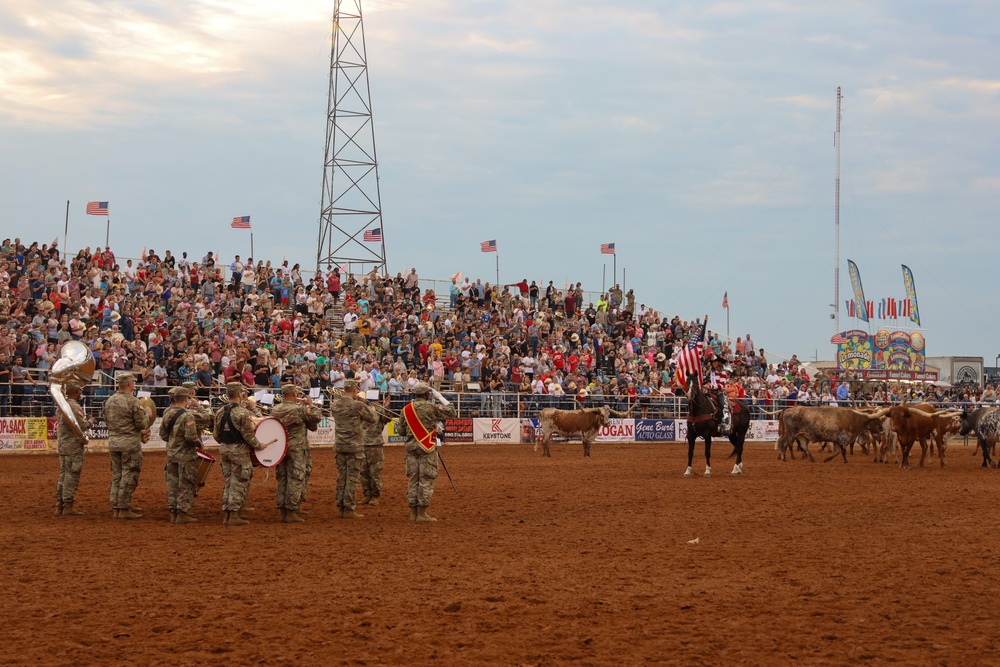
{"x":695,"y":135}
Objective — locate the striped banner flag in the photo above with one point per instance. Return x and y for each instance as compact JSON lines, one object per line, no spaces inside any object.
{"x":241,"y":222}
{"x":373,"y":235}
{"x":607,"y":248}
{"x":838,"y":339}
{"x":488,"y":246}
{"x":97,"y":208}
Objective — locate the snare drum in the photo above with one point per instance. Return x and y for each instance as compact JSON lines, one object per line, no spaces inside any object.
{"x":271,"y":433}
{"x":205,"y":461}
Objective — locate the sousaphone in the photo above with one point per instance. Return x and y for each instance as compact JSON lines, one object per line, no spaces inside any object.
{"x":76,"y":362}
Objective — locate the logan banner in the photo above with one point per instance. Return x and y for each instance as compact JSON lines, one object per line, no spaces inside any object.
{"x":619,"y":430}
{"x":504,"y":431}
{"x":25,"y":434}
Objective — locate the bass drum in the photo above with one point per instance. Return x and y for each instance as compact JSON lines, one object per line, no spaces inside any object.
{"x":271,"y":433}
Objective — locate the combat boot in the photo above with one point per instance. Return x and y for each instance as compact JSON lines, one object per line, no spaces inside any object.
{"x":284,"y":513}
{"x":351,"y":514}
{"x":422,"y":516}
{"x":242,"y":513}
{"x":134,"y":510}
{"x":292,"y":517}
{"x":413,"y":514}
{"x":173,"y":516}
{"x":366,"y":501}
{"x":68,"y":510}
{"x":302,"y":511}
{"x":236,"y":520}
{"x":115,"y":515}
{"x":128,"y":514}
{"x":59,"y":508}
{"x":183,"y":517}
{"x":225,"y":518}
{"x":375,"y":502}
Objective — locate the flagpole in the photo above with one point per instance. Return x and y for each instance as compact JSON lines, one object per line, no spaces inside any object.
{"x":727,"y":318}
{"x":107,"y":233}
{"x":251,"y":244}
{"x":498,"y":269}
{"x":614,"y":270}
{"x":66,"y":233}
{"x":604,"y":275}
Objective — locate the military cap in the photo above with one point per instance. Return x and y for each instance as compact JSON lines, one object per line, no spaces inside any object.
{"x":421,"y":388}
{"x":290,"y":389}
{"x":189,"y":385}
{"x":178,"y":393}
{"x":350,"y":384}
{"x":123,"y":379}
{"x":234,"y":389}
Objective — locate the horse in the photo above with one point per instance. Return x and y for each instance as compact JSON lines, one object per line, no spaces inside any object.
{"x":701,"y":423}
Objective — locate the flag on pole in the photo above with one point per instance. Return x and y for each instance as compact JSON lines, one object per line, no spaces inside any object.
{"x":838,"y":339}
{"x":725,"y":299}
{"x":488,"y":246}
{"x":241,"y":222}
{"x":97,"y":208}
{"x":607,"y":248}
{"x":689,"y":360}
{"x":373,"y":235}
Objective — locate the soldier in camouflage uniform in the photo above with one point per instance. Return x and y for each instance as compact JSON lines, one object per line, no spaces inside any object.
{"x":421,"y":466}
{"x":233,"y":431}
{"x":126,"y":422}
{"x":293,"y":471}
{"x":371,"y":468}
{"x":204,"y":419}
{"x":71,"y":448}
{"x":180,"y":431}
{"x":349,"y":415}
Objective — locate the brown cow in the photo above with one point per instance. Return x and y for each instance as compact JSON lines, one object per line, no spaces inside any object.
{"x":920,"y":422}
{"x":841,"y":426}
{"x":585,"y":423}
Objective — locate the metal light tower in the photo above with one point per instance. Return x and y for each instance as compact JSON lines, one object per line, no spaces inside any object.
{"x":351,"y":204}
{"x":836,"y":223}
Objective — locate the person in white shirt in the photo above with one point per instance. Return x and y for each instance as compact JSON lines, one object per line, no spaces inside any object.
{"x":350,"y":321}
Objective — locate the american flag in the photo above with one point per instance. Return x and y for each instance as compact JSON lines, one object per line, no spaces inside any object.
{"x":488,"y":246}
{"x":241,"y":222}
{"x":689,"y":359}
{"x":725,"y":299}
{"x":97,"y":208}
{"x":373,"y":235}
{"x":607,"y":248}
{"x":838,"y":339}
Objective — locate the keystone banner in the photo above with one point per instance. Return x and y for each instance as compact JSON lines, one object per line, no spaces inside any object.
{"x":496,"y":430}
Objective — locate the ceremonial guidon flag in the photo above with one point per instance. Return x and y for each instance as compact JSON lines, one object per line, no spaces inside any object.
{"x":373,"y":235}
{"x":97,"y":208}
{"x":607,"y":248}
{"x":488,"y":246}
{"x":241,"y":222}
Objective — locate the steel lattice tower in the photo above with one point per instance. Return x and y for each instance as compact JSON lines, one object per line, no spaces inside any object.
{"x":351,"y":203}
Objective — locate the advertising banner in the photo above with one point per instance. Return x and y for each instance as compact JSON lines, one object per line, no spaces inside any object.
{"x":655,"y":430}
{"x":619,"y":430}
{"x":860,"y":306}
{"x":763,"y":431}
{"x":873,"y":354}
{"x":98,"y":429}
{"x":911,"y":294}
{"x":24,"y":434}
{"x":503,"y":431}
{"x":458,"y":431}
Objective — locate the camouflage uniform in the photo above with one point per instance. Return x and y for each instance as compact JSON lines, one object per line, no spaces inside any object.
{"x":371,"y":468}
{"x":421,"y":466}
{"x":237,"y":467}
{"x":71,"y":448}
{"x":126,"y":420}
{"x":181,"y":471}
{"x":292,"y":473}
{"x":348,"y":415}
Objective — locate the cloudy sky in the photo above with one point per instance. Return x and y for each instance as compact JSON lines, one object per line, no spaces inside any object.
{"x":697,"y":136}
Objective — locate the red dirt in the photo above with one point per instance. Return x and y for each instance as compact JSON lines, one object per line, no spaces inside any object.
{"x":554,"y":561}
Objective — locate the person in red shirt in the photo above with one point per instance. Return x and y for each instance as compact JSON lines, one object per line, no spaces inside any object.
{"x":573,"y":361}
{"x":558,"y":359}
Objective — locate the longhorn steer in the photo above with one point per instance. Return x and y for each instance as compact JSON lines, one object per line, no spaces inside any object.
{"x":986,"y":423}
{"x":585,"y":423}
{"x":841,"y":426}
{"x":920,"y":422}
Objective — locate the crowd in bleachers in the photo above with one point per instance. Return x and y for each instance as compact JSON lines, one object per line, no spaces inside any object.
{"x":171,"y":319}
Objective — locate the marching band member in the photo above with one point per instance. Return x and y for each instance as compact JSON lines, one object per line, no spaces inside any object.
{"x":418,"y":426}
{"x":71,"y":447}
{"x":126,"y":421}
{"x":292,"y":473}
{"x":179,"y":429}
{"x":371,"y":468}
{"x":349,"y":414}
{"x":234,"y":431}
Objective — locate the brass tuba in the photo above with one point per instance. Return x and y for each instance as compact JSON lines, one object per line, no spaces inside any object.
{"x":75,"y":362}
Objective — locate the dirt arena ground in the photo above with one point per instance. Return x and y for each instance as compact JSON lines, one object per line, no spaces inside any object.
{"x":538,"y":562}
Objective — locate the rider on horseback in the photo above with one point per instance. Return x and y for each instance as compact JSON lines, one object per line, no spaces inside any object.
{"x":716,"y":381}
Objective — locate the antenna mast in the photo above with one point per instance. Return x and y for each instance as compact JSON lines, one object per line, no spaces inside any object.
{"x":836,"y":223}
{"x":351,"y":203}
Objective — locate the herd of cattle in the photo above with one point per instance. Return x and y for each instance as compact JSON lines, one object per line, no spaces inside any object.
{"x":888,"y":431}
